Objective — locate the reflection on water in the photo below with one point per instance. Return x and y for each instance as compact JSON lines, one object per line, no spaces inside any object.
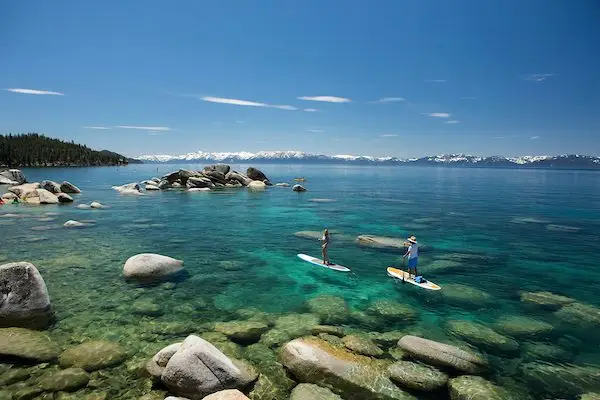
{"x":493,"y":237}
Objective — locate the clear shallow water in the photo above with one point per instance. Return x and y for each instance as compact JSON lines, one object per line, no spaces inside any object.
{"x":522,"y":230}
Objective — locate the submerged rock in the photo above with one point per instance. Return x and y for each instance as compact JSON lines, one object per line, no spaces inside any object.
{"x":352,"y":377}
{"x":94,"y":355}
{"x":328,"y":329}
{"x":128,"y":187}
{"x":330,"y":309}
{"x":242,"y":331}
{"x":392,"y":311}
{"x":67,"y":380}
{"x":308,"y":391}
{"x":443,"y":355}
{"x":197,"y":368}
{"x":561,"y":380}
{"x":466,"y":296}
{"x":96,"y":205}
{"x":483,"y":337}
{"x":148,"y":267}
{"x":67,"y":187}
{"x":542,"y":351}
{"x":579,"y":314}
{"x":273,"y":382}
{"x":74,"y":224}
{"x":545,"y":300}
{"x":476,"y":388}
{"x":13,"y":375}
{"x":415,"y":376}
{"x":289,"y":327}
{"x":362,"y":345}
{"x":590,"y":396}
{"x":520,"y":327}
{"x":386,"y":339}
{"x":24,"y":299}
{"x":27,"y":345}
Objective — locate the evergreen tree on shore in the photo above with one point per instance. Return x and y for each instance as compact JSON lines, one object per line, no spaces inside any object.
{"x":35,"y":150}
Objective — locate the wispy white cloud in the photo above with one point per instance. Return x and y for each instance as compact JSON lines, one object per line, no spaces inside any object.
{"x":146,"y":128}
{"x":326,"y":99}
{"x":235,"y":102}
{"x":100,"y":128}
{"x":439,"y":115}
{"x":537,"y":77}
{"x":435,"y":80}
{"x":386,"y":100}
{"x":315,"y":130}
{"x":388,"y":135}
{"x":452,"y":121}
{"x":286,"y":107}
{"x":34,"y":91}
{"x":534,"y":137}
{"x":311,"y":110}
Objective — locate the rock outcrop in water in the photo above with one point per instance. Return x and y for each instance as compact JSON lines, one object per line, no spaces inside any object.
{"x":24,"y":299}
{"x":196,"y":368}
{"x":27,"y":345}
{"x":149,"y":267}
{"x":46,"y":192}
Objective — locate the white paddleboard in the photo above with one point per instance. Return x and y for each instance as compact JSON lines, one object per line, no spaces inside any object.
{"x":316,"y":261}
{"x":403,"y":275}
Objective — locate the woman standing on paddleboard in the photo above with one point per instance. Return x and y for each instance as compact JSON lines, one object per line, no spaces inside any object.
{"x":325,"y":239}
{"x":412,"y":253}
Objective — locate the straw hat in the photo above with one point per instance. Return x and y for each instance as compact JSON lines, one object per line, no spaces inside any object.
{"x":412,"y":239}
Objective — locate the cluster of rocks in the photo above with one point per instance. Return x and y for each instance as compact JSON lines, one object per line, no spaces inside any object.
{"x":46,"y":192}
{"x":217,"y":176}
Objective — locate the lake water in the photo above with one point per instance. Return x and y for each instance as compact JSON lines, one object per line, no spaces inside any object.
{"x":500,"y":231}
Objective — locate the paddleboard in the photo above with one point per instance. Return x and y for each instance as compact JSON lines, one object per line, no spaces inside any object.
{"x":403,"y":275}
{"x":316,"y":261}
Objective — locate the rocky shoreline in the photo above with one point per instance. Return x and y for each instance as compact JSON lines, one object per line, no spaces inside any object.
{"x":322,"y":352}
{"x":46,"y":192}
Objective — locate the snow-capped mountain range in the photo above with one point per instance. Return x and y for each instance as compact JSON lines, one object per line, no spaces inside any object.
{"x":561,"y":161}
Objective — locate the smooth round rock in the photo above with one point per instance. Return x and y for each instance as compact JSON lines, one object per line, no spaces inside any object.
{"x":308,"y":391}
{"x":520,"y":327}
{"x":67,"y":380}
{"x":476,"y":388}
{"x":481,"y":336}
{"x":27,"y":344}
{"x":242,"y":331}
{"x":92,"y":356}
{"x":362,"y":345}
{"x":417,"y":376}
{"x":148,"y":267}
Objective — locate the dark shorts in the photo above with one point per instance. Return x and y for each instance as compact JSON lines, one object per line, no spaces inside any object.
{"x":412,"y":262}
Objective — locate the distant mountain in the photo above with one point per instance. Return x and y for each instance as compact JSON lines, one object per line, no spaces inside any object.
{"x":34,"y":150}
{"x":571,"y":161}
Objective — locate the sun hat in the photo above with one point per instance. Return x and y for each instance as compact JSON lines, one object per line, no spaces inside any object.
{"x":412,"y":239}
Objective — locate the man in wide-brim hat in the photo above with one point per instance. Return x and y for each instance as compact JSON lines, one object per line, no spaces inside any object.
{"x":412,"y":253}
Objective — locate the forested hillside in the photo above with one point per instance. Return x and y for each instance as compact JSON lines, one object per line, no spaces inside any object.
{"x":34,"y":150}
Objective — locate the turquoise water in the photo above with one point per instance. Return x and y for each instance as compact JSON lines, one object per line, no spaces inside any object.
{"x":520,"y":230}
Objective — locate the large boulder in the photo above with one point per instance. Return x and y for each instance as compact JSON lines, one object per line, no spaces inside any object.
{"x":14,"y":175}
{"x":476,"y":388}
{"x":415,"y":376}
{"x":27,"y":345}
{"x":7,"y":181}
{"x":392,"y":312}
{"x":148,"y":267}
{"x":216,"y":176}
{"x":308,"y":391}
{"x":380,"y":242}
{"x":199,"y":182}
{"x":237,"y":177}
{"x":94,"y":355}
{"x":68,"y":187}
{"x":24,"y":299}
{"x":581,"y":315}
{"x":128,"y":188}
{"x":156,"y":365}
{"x":289,"y":327}
{"x":74,"y":224}
{"x":222,"y":168}
{"x":257,"y":185}
{"x":51,"y":186}
{"x":9,"y":196}
{"x":443,"y":355}
{"x":331,"y":309}
{"x":482,"y":337}
{"x":197,"y":369}
{"x":64,"y":198}
{"x":311,"y":360}
{"x":46,"y":197}
{"x":465,"y":296}
{"x":23,"y":190}
{"x":257,"y":175}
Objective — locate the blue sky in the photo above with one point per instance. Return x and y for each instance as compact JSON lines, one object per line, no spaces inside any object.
{"x":400,"y":77}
